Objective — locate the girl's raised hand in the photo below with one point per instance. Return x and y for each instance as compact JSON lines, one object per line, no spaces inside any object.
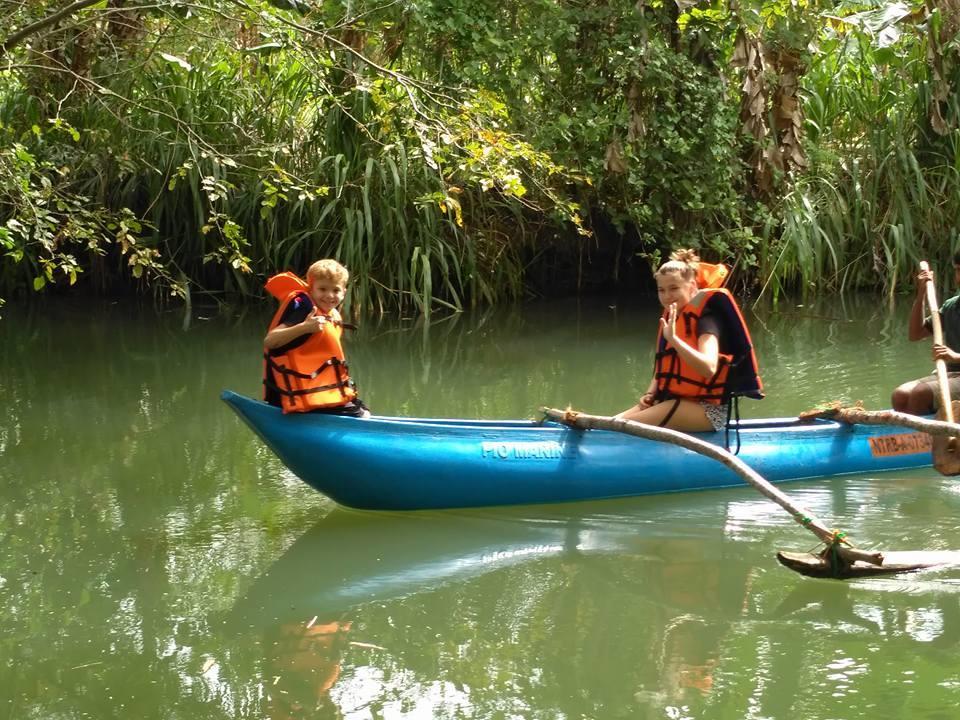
{"x":669,"y":325}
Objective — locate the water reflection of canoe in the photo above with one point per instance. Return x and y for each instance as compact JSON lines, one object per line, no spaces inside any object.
{"x":349,"y":558}
{"x":387,"y":463}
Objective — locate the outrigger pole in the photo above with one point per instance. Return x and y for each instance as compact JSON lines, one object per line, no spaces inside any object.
{"x":839,"y":560}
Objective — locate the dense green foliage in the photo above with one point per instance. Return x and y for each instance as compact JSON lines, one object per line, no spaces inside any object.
{"x":454,"y":153}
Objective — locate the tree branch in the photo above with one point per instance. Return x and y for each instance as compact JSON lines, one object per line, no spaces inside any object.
{"x":17,"y":37}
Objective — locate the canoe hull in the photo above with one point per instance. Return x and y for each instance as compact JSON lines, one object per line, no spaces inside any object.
{"x":410,"y":464}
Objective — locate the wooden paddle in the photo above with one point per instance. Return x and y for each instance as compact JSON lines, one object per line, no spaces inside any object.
{"x":840,"y":560}
{"x":945,"y":457}
{"x":942,"y":378}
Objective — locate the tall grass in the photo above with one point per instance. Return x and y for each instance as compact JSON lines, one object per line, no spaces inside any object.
{"x":267,"y":163}
{"x":242,"y":161}
{"x":882,"y":191}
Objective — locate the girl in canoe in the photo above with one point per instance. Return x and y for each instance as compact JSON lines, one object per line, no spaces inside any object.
{"x":704,"y":357}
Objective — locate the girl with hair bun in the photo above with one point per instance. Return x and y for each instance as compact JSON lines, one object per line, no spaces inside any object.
{"x":704,"y":357}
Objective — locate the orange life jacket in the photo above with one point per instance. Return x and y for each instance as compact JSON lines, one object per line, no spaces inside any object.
{"x":711,"y":276}
{"x":282,"y":284}
{"x":312,"y":374}
{"x":737,"y":372}
{"x":314,"y":651}
{"x":307,"y":666}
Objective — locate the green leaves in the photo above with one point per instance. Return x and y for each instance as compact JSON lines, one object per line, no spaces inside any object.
{"x":479,"y":139}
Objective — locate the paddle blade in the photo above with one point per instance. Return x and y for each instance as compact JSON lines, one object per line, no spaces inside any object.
{"x":946,"y":450}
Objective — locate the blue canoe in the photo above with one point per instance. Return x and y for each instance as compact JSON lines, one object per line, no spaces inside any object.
{"x":389,"y":463}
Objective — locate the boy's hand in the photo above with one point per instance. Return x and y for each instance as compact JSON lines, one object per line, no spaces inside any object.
{"x":314,"y":323}
{"x":645,"y":401}
{"x":923,"y":277}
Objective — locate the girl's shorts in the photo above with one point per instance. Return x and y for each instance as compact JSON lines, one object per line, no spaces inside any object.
{"x":717,"y":414}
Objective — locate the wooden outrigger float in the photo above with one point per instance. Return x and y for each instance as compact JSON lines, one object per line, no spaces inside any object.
{"x":946,"y":459}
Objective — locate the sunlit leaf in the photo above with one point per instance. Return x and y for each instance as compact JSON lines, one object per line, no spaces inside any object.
{"x":177,"y":61}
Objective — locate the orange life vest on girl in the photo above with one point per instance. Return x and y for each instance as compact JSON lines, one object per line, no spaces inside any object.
{"x":311,"y":374}
{"x":711,"y":276}
{"x":310,"y":657}
{"x":737,"y":372}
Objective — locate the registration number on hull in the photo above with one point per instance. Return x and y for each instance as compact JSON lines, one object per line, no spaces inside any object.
{"x":903,"y":444}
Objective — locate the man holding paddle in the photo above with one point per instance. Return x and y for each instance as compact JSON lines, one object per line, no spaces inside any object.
{"x":922,"y":396}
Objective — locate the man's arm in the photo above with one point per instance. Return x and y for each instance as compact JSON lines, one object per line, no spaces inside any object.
{"x":916,"y":328}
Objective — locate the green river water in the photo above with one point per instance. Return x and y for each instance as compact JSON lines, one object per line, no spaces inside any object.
{"x":156,"y":561}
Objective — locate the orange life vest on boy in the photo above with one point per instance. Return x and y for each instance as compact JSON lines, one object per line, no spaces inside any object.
{"x":737,"y":372}
{"x":311,"y":374}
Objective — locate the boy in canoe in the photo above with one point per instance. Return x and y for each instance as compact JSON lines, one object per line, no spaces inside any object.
{"x":704,"y":353}
{"x":304,"y":367}
{"x":922,"y":396}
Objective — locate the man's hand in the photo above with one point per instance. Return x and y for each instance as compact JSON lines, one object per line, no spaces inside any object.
{"x":942,"y":352}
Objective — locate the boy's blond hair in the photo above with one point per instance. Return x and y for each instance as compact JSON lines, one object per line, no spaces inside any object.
{"x":328,"y":269}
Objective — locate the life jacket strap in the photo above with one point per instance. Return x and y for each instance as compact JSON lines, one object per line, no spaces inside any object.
{"x":309,"y":391}
{"x":733,"y":409}
{"x":666,"y":418}
{"x":342,"y":324}
{"x":713,"y":386}
{"x":284,"y":370}
{"x":340,"y":367}
{"x":340,"y":381}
